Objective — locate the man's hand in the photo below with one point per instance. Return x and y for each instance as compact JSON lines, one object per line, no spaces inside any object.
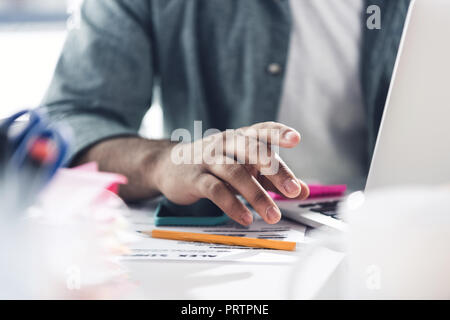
{"x":218,"y":168}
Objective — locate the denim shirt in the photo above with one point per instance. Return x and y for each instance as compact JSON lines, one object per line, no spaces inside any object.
{"x":219,"y":61}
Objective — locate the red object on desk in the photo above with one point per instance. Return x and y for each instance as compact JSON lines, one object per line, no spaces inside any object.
{"x":42,"y":150}
{"x":114,"y":180}
{"x":317,"y":191}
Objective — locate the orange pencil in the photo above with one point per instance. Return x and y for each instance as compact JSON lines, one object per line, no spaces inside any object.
{"x":227,"y":240}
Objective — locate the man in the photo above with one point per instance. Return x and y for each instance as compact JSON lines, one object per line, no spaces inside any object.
{"x":314,"y":65}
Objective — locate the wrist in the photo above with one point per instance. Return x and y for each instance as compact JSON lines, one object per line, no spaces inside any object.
{"x":156,"y":163}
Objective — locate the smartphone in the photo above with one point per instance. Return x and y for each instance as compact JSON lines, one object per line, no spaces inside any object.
{"x":202,"y":213}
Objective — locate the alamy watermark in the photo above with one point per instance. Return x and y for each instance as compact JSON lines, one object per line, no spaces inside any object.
{"x":373,"y":277}
{"x":74,"y":11}
{"x":248,"y":146}
{"x":374,"y":20}
{"x":73,"y":279}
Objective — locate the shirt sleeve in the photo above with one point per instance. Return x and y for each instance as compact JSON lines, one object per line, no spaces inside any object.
{"x":103,"y":81}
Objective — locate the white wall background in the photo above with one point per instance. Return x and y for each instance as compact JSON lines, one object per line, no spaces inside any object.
{"x":28,"y":56}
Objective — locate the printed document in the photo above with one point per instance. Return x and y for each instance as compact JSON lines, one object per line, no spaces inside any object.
{"x":148,"y":248}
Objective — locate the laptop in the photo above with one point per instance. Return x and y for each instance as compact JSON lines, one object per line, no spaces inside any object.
{"x":413,"y":144}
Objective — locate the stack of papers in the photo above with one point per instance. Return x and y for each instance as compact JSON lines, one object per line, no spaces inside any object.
{"x":158,"y":249}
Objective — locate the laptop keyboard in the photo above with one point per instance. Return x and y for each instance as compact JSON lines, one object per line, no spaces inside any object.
{"x":328,"y":208}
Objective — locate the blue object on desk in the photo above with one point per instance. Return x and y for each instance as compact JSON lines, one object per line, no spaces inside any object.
{"x":201,"y":213}
{"x":17,"y":140}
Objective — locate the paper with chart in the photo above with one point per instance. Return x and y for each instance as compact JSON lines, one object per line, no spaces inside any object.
{"x":157,"y":249}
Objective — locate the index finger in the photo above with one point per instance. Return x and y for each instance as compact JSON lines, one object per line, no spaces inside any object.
{"x":273,"y":133}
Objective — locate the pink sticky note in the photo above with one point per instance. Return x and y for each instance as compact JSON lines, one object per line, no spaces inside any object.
{"x":316,"y":191}
{"x":276,"y":196}
{"x":74,"y":189}
{"x":115,"y":179}
{"x":91,"y":167}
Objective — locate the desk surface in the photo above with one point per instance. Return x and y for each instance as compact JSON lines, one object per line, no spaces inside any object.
{"x":311,"y":277}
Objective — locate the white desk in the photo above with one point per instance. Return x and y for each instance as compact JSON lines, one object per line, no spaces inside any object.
{"x":317,"y":277}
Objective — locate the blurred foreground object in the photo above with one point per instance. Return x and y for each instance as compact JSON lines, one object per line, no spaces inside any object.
{"x":68,"y":245}
{"x":31,"y":151}
{"x":399,"y":244}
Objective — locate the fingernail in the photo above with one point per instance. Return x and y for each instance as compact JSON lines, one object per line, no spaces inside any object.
{"x":273,"y":214}
{"x":290,"y":136}
{"x":305,"y":189}
{"x":292,"y":186}
{"x":247,"y":219}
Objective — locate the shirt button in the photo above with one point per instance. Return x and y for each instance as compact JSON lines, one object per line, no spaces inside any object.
{"x":274,"y":68}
